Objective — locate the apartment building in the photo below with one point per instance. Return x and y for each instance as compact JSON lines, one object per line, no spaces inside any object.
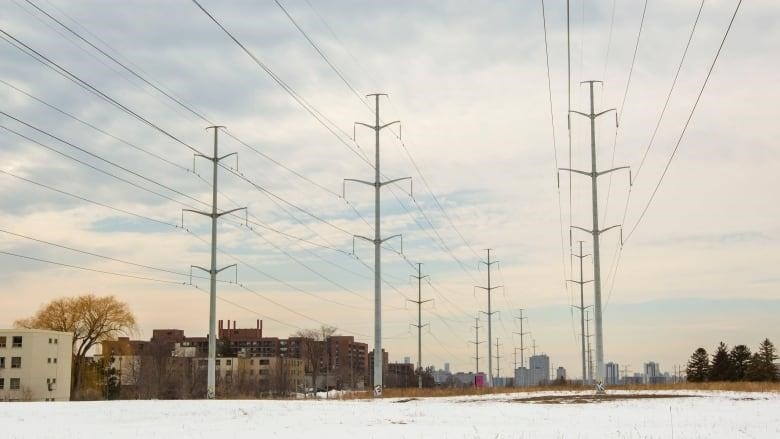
{"x":35,"y":365}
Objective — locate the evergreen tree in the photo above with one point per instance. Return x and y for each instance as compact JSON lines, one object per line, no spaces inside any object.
{"x":754,"y":370}
{"x":721,"y":365}
{"x":767,"y":353}
{"x":698,"y":366}
{"x":740,"y":360}
{"x":761,"y":366}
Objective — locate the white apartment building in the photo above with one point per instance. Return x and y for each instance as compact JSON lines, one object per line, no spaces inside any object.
{"x":35,"y":365}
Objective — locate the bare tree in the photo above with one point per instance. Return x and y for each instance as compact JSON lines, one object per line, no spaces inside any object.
{"x":89,"y":318}
{"x":279,"y":379}
{"x":313,"y":349}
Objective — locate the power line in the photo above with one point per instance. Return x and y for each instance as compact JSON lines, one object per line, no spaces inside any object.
{"x":97,"y":203}
{"x":623,"y":105}
{"x":100,"y":130}
{"x":180,"y":103}
{"x":93,"y":270}
{"x":324,"y":121}
{"x":398,"y":137}
{"x":97,"y":255}
{"x":129,"y":70}
{"x":671,"y":90}
{"x":685,"y":127}
{"x":322,"y":55}
{"x":92,"y":154}
{"x":27,"y":50}
{"x":91,"y":166}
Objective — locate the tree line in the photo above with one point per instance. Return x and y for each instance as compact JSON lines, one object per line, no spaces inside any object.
{"x":737,"y":364}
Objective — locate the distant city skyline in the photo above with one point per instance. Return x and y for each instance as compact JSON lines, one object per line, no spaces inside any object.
{"x":469,"y":83}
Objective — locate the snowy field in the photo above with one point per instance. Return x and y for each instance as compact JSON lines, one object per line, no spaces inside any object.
{"x":521,"y":415}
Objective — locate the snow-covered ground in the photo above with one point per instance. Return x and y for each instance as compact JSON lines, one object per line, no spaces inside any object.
{"x":705,"y":415}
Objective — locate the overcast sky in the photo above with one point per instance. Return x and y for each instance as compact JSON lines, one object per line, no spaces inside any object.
{"x":468,"y":80}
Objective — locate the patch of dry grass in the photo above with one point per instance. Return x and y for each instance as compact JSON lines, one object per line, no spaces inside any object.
{"x":412,"y":392}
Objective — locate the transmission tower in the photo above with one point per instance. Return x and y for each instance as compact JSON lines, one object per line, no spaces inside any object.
{"x":582,"y":307}
{"x":377,"y":240}
{"x":522,"y":339}
{"x":594,"y":174}
{"x":476,"y":342}
{"x":498,"y":358}
{"x":588,"y":335}
{"x":419,"y":324}
{"x":213,"y":271}
{"x":534,"y":346}
{"x":489,"y":313}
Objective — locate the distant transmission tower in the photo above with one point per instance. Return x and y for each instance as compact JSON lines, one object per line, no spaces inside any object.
{"x":582,"y":308}
{"x":476,"y":342}
{"x":377,"y":240}
{"x":522,"y":338}
{"x":595,"y":231}
{"x":213,"y":271}
{"x":498,"y":358}
{"x":419,"y":324}
{"x":588,"y":335}
{"x":489,"y":313}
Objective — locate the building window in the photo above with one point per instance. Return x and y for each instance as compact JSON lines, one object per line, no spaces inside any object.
{"x":2,"y":383}
{"x":55,"y":360}
{"x":15,"y":384}
{"x":49,"y":341}
{"x":16,"y":341}
{"x":228,"y":362}
{"x":16,"y":362}
{"x":55,"y":341}
{"x":251,"y":362}
{"x":2,"y":362}
{"x":251,"y":371}
{"x":49,"y":360}
{"x":217,"y":362}
{"x":2,"y":341}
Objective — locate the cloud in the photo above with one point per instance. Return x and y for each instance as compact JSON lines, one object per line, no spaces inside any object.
{"x":469,"y":83}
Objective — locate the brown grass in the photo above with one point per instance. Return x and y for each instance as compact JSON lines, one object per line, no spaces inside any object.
{"x":468,"y":391}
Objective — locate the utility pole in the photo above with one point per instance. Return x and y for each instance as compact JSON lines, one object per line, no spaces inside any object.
{"x":595,"y":231}
{"x":582,"y":307}
{"x":489,"y":313}
{"x":522,"y":338}
{"x":476,"y":342}
{"x":377,"y":241}
{"x":213,"y":271}
{"x":590,"y":352}
{"x":498,"y":359}
{"x":419,"y":324}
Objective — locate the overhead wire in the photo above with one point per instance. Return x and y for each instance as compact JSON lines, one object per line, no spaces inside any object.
{"x":27,"y":50}
{"x":687,"y":123}
{"x":324,"y":121}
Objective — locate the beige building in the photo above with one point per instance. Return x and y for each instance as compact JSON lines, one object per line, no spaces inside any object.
{"x":267,"y":374}
{"x":35,"y":365}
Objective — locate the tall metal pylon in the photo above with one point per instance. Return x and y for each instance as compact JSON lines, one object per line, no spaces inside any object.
{"x":213,"y":271}
{"x":595,"y":231}
{"x":476,"y":342}
{"x":498,"y":358}
{"x":419,"y":324}
{"x":489,"y":313}
{"x":582,"y":308}
{"x":588,"y":335}
{"x":377,"y":240}
{"x":522,"y":338}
